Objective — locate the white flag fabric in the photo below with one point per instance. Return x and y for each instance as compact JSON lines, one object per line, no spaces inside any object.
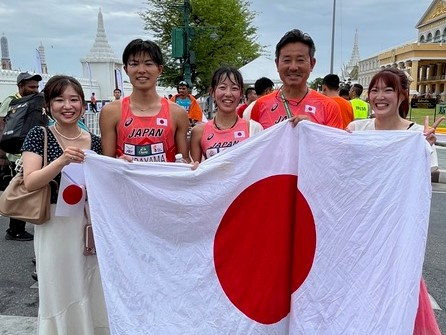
{"x":306,"y":230}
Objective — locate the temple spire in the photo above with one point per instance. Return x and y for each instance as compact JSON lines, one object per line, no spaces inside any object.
{"x":43,"y":59}
{"x":101,"y":49}
{"x":350,"y":71}
{"x":354,"y":58}
{"x":6,"y":61}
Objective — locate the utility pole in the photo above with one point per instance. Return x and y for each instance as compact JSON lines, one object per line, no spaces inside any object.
{"x":182,"y":38}
{"x":333,"y":36}
{"x":187,"y":65}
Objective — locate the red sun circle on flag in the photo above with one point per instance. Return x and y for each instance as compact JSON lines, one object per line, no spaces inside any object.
{"x":72,"y":194}
{"x":264,"y":248}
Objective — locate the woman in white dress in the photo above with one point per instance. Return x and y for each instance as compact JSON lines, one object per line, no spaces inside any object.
{"x":389,"y":98}
{"x":71,"y":299}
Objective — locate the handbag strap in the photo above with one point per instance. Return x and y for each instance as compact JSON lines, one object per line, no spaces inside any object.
{"x":45,"y":147}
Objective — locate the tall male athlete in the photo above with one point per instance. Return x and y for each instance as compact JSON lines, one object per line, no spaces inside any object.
{"x":143,"y":126}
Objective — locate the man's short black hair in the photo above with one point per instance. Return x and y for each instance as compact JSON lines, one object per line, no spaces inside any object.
{"x":358,"y":89}
{"x":139,"y":46}
{"x":263,"y":84}
{"x":331,"y":81}
{"x":294,"y":36}
{"x":249,"y":89}
{"x":343,"y":92}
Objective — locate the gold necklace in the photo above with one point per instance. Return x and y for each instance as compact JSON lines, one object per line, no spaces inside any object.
{"x":66,"y":137}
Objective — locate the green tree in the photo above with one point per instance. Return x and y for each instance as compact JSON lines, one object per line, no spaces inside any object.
{"x":316,"y":84}
{"x":231,"y":20}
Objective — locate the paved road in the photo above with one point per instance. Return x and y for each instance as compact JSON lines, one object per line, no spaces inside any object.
{"x":19,"y":293}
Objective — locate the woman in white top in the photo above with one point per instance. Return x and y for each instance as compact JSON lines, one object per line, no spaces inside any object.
{"x":389,"y":99}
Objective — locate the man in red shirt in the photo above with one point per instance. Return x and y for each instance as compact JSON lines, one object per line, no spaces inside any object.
{"x":295,"y":61}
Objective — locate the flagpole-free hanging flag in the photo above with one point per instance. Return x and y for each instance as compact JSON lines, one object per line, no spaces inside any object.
{"x":306,"y":230}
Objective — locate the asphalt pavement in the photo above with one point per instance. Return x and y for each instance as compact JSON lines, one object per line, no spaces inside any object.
{"x":19,"y":292}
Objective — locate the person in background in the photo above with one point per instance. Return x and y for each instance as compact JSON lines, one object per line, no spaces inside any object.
{"x":93,"y":101}
{"x":71,"y":300}
{"x":344,"y":93}
{"x":295,"y":100}
{"x":116,"y":94}
{"x":389,"y":97}
{"x":27,"y":84}
{"x":251,"y":96}
{"x":360,"y":107}
{"x":188,"y":102}
{"x":330,"y":88}
{"x":263,"y":86}
{"x":226,"y":129}
{"x":143,"y":126}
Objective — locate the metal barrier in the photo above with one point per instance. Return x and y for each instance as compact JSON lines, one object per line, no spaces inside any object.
{"x":91,"y":120}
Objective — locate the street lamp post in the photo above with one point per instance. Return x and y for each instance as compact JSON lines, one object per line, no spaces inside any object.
{"x":332,"y":36}
{"x":187,"y":65}
{"x":182,"y":38}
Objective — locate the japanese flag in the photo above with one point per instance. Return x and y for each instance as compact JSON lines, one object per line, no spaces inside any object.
{"x":71,"y":196}
{"x":320,"y":237}
{"x":310,"y":109}
{"x":161,"y":121}
{"x":239,"y":134}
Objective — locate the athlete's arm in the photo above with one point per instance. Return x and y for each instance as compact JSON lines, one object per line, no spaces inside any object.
{"x":195,"y":143}
{"x":180,"y":126}
{"x":108,"y":121}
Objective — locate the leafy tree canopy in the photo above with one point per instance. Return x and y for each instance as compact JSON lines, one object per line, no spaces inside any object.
{"x":231,"y":20}
{"x":316,"y":84}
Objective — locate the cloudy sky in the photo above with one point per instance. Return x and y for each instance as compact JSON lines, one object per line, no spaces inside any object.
{"x":67,"y":29}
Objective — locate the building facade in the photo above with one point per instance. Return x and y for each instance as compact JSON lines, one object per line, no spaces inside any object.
{"x":423,"y":61}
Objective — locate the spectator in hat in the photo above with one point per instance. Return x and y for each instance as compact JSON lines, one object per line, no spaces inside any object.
{"x":188,"y":102}
{"x":27,"y":84}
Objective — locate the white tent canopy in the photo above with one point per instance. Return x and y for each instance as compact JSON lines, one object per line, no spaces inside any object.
{"x":260,"y":67}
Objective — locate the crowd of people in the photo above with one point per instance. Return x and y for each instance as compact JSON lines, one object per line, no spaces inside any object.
{"x":147,"y":127}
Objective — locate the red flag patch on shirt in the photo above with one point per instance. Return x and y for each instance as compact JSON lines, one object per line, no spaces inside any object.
{"x":239,"y":134}
{"x":310,"y":109}
{"x":161,"y":121}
